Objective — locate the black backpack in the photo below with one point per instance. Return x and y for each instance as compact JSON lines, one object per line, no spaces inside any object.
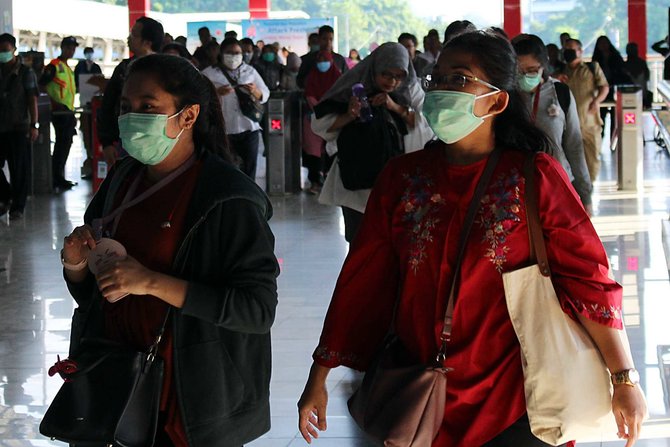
{"x":364,"y":148}
{"x":563,"y":95}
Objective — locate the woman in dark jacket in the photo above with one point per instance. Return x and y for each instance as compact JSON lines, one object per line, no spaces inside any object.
{"x":198,"y":244}
{"x":610,"y":60}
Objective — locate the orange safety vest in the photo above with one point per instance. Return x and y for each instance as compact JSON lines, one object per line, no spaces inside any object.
{"x":61,"y":88}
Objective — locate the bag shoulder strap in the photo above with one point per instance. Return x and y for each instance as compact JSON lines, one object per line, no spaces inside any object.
{"x":563,"y":96}
{"x":475,"y":202}
{"x":230,"y":79}
{"x":538,"y":249}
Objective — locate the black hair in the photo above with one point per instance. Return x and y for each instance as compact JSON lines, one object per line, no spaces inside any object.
{"x":202,"y":29}
{"x":232,"y":34}
{"x":312,"y":36}
{"x":614,"y":58}
{"x":88,"y":50}
{"x":498,"y":30}
{"x":246,"y":41}
{"x":228,"y":42}
{"x":458,"y":27}
{"x":530,"y":44}
{"x":8,"y":38}
{"x":433,"y":32}
{"x":496,"y":58}
{"x":179,"y":48}
{"x":326,"y":29}
{"x":408,"y":36}
{"x":152,"y":31}
{"x":181,"y":79}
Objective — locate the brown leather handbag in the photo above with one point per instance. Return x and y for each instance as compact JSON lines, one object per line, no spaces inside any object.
{"x":400,"y":402}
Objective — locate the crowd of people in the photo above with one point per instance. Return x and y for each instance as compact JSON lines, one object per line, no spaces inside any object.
{"x":399,"y":140}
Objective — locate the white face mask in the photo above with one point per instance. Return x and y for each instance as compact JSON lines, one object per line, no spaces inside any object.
{"x":232,"y":61}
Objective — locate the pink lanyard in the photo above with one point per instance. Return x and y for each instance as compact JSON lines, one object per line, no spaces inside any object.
{"x":99,"y":223}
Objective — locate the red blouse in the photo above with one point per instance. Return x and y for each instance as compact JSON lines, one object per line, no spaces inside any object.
{"x":413,"y":219}
{"x":136,"y":320}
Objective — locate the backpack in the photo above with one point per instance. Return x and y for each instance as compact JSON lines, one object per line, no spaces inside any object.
{"x":563,"y":95}
{"x":364,"y":148}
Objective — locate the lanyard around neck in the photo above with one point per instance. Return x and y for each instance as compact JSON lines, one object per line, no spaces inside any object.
{"x":128,"y":201}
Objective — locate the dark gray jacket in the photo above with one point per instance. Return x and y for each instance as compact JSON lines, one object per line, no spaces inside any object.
{"x":222,"y":334}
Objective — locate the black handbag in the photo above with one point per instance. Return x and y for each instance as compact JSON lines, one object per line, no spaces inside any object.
{"x":249,"y":105}
{"x":111,"y":395}
{"x":364,"y":148}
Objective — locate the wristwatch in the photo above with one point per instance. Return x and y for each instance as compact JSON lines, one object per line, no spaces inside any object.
{"x":628,"y":377}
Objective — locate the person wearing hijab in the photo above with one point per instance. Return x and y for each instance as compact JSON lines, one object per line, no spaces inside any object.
{"x":395,"y":98}
{"x":319,"y":80}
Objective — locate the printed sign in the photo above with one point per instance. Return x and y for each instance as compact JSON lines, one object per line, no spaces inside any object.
{"x":290,"y":33}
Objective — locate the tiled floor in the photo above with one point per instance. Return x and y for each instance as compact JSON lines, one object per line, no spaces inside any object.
{"x":35,"y":309}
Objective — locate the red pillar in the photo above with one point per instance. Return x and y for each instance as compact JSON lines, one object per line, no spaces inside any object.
{"x":512,"y":17}
{"x":137,"y":9}
{"x":637,"y":25}
{"x":259,"y":9}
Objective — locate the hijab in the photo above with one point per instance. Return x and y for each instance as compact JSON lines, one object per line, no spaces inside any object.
{"x":388,"y":56}
{"x":318,"y":83}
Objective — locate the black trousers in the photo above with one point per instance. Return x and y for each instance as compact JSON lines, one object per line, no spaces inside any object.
{"x":245,"y":146}
{"x":15,"y":150}
{"x":352,"y":222}
{"x":64,"y":125}
{"x":517,"y":435}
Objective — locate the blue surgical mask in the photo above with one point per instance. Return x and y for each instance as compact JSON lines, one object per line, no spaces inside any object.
{"x":143,"y":136}
{"x":451,"y":114}
{"x":314,"y":48}
{"x":6,"y":56}
{"x":246,"y":57}
{"x":323,"y":66}
{"x":528,"y":83}
{"x":88,"y":56}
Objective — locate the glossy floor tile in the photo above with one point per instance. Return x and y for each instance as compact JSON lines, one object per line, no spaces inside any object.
{"x":35,"y":308}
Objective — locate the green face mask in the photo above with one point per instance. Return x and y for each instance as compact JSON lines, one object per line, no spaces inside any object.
{"x":143,"y":136}
{"x":528,"y":83}
{"x":268,"y":57}
{"x":451,"y":114}
{"x":6,"y":56}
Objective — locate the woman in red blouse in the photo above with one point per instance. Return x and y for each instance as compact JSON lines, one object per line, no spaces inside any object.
{"x":408,"y":241}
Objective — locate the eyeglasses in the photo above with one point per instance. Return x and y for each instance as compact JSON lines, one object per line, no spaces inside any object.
{"x":454,"y":81}
{"x":388,"y":76}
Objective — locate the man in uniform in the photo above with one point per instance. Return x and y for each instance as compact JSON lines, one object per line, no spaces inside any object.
{"x":589,"y":86}
{"x":58,"y":80}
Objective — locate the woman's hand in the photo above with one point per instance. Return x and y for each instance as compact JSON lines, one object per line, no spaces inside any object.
{"x":384,"y":100}
{"x":77,"y":245}
{"x":630,"y":409}
{"x":312,"y":404}
{"x":224,"y":90}
{"x":253,"y":90}
{"x":354,"y":110}
{"x":125,"y":276}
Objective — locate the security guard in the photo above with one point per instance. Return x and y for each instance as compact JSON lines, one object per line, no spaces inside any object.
{"x":59,"y":83}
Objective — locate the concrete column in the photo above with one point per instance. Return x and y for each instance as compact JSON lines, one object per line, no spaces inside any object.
{"x":637,"y":25}
{"x":42,"y":43}
{"x":512,"y":17}
{"x":259,"y":9}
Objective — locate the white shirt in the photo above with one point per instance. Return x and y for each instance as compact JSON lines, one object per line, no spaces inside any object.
{"x":236,"y":122}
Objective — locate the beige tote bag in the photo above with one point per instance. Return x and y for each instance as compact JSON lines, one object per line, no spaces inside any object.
{"x":567,"y":385}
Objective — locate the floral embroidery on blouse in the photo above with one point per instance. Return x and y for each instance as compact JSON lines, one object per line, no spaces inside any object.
{"x":597,"y":312}
{"x":420,"y":208}
{"x":498,"y":212}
